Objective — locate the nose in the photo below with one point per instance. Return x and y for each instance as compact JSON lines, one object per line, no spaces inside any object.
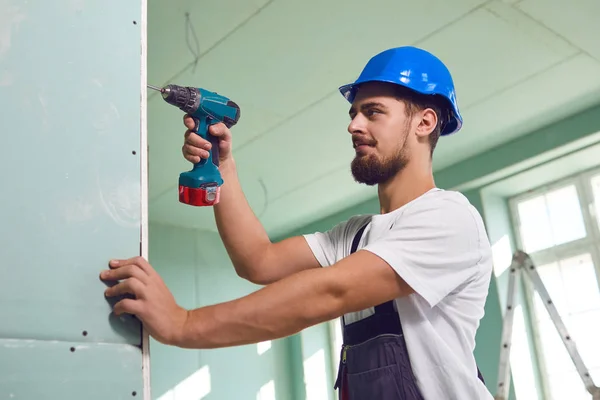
{"x":357,"y":125}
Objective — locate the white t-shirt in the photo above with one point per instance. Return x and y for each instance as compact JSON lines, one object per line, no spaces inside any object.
{"x":438,"y":244}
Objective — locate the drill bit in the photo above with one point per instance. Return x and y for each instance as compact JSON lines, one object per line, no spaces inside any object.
{"x":155,"y":88}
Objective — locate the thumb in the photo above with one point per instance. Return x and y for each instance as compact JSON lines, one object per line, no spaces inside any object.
{"x":219,"y":130}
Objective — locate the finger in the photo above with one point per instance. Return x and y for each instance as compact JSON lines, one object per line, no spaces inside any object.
{"x":131,"y":286}
{"x":128,"y":271}
{"x":138,"y":260}
{"x":220,"y":130}
{"x":194,"y":151}
{"x":195,"y":148}
{"x":128,"y":306}
{"x":194,"y":140}
{"x":188,"y":121}
{"x":190,"y":158}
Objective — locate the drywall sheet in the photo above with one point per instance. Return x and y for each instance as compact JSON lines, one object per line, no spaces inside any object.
{"x":71,"y":197}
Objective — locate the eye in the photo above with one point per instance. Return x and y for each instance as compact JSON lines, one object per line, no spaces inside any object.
{"x":372,"y":112}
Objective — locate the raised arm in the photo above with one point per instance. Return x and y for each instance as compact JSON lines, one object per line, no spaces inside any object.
{"x":252,"y":253}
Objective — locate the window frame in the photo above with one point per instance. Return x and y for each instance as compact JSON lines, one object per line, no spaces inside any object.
{"x":582,"y":182}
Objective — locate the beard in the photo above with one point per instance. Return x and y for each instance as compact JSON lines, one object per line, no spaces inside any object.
{"x":370,"y":170}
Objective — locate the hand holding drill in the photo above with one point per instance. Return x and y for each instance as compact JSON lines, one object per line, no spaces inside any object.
{"x":196,"y":148}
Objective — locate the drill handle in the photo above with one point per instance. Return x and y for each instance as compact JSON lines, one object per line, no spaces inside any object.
{"x":201,"y":128}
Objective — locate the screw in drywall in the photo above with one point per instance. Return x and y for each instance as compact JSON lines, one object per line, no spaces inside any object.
{"x":84,"y":333}
{"x":134,"y":393}
{"x":134,"y":22}
{"x":72,"y":349}
{"x":133,"y":152}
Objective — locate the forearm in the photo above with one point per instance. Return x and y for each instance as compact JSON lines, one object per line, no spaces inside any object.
{"x":243,"y":235}
{"x":275,"y":311}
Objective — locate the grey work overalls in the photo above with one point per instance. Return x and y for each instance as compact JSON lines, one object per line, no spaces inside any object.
{"x":374,"y":361}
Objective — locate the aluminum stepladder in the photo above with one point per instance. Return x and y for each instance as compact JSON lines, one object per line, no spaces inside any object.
{"x":521,"y":262}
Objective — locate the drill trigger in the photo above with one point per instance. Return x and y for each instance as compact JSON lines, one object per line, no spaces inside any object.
{"x":196,"y":125}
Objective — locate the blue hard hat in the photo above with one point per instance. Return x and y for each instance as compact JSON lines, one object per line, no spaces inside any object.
{"x":414,"y":69}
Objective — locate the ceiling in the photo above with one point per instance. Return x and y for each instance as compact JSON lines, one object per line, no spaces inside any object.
{"x":517,"y":66}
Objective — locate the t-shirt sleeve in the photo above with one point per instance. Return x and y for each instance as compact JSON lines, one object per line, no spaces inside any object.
{"x":328,"y":246}
{"x":324,"y":244}
{"x":433,"y":246}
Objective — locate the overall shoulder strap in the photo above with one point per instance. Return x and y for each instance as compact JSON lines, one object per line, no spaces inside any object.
{"x":357,"y":237}
{"x":355,"y":242}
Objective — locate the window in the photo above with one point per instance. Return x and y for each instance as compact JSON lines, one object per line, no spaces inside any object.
{"x":550,"y":219}
{"x":559,"y":226}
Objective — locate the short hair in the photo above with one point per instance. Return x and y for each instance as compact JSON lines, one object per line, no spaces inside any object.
{"x":415,"y":102}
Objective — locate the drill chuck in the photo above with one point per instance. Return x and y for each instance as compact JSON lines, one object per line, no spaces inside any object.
{"x":187,"y":99}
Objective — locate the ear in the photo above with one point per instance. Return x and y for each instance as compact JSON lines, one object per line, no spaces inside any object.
{"x":427,"y":123}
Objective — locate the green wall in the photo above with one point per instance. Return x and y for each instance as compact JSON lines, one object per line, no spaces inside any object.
{"x":195,"y":266}
{"x":489,"y":334}
{"x":487,"y":180}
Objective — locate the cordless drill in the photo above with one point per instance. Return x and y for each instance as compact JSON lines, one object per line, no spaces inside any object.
{"x":201,"y":186}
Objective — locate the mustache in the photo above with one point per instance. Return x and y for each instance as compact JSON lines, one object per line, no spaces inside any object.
{"x":359,"y":141}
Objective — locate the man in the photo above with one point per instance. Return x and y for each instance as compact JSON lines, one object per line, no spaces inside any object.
{"x":410,"y":282}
